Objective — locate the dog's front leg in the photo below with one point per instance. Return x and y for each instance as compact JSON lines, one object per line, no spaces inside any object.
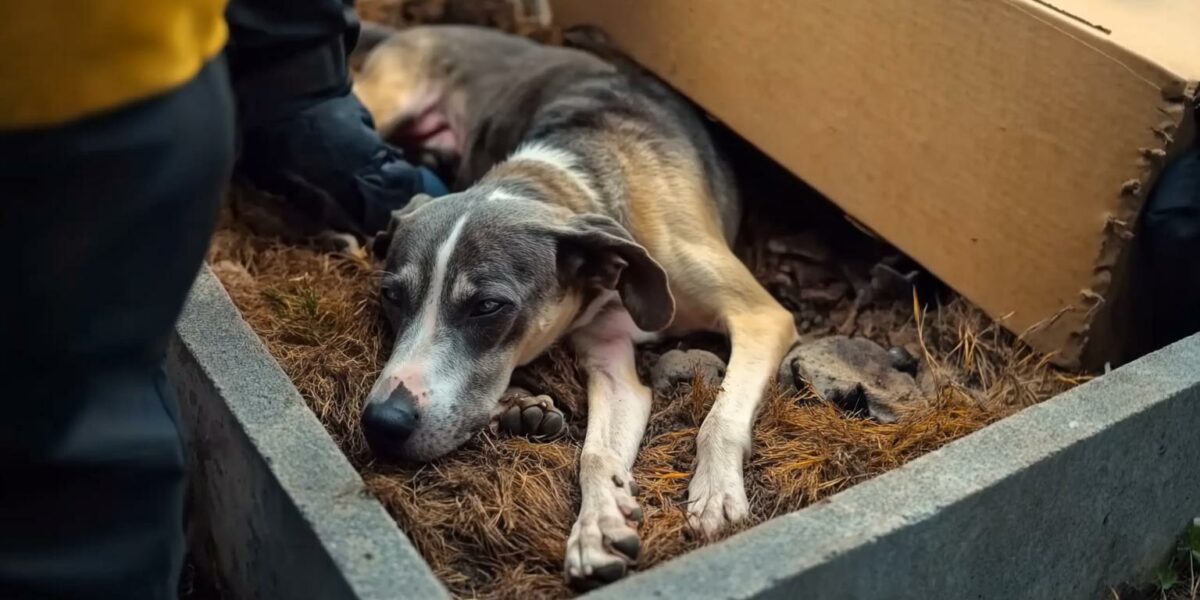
{"x":717,"y":495}
{"x":604,"y":540}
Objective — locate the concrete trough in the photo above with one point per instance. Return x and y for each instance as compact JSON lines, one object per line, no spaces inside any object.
{"x":1063,"y":500}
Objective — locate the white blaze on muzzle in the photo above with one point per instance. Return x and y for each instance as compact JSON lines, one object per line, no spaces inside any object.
{"x":415,"y":356}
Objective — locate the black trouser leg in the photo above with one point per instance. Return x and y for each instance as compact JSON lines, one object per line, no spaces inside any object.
{"x":1170,"y":238}
{"x":103,"y":226}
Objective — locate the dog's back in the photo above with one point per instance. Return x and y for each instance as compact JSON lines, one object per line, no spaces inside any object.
{"x":483,"y":83}
{"x":632,"y":135}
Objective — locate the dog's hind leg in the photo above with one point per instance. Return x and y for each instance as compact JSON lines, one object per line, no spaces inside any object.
{"x":604,"y":540}
{"x":761,"y":333}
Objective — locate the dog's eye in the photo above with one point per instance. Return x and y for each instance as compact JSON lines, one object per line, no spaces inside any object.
{"x":487,"y":307}
{"x":392,"y":295}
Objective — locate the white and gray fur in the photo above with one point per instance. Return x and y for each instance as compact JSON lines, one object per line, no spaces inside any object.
{"x":524,"y":101}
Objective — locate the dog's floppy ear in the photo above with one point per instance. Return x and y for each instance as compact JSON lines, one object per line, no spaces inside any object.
{"x":596,"y":251}
{"x":383,"y":240}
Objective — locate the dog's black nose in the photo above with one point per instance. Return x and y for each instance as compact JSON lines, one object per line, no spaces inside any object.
{"x":388,"y":424}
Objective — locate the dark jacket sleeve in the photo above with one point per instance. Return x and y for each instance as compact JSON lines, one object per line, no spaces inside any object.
{"x":303,"y":134}
{"x":285,"y":55}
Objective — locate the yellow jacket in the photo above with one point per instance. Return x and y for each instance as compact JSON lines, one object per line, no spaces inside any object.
{"x":62,"y":60}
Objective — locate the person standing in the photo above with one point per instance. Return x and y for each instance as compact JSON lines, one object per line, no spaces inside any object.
{"x":119,"y":121}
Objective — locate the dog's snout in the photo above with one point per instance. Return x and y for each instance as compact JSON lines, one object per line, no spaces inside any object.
{"x":408,"y":378}
{"x":388,"y":424}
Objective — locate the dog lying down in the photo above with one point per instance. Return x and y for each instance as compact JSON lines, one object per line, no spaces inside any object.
{"x":595,"y":210}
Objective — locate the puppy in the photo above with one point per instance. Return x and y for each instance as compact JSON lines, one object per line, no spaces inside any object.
{"x":593,"y":208}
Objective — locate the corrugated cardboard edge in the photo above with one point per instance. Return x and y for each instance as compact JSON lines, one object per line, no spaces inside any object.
{"x":1118,"y":332}
{"x":1096,"y":332}
{"x":1089,"y":333}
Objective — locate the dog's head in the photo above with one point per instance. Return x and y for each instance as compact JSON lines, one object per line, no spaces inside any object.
{"x":478,"y":283}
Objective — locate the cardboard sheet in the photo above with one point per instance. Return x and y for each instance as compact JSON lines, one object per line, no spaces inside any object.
{"x":1003,"y":144}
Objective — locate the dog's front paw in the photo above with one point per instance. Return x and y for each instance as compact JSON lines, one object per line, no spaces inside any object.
{"x":716,"y":498}
{"x":521,"y":413}
{"x":604,"y":541}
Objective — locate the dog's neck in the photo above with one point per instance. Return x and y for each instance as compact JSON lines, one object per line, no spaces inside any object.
{"x":543,"y":172}
{"x":547,"y":173}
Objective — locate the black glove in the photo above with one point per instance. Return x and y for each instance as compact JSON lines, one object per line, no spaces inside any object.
{"x":328,"y":159}
{"x":304,"y":135}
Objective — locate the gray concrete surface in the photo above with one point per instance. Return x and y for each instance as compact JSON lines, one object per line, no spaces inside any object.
{"x":278,"y":509}
{"x":1060,"y":501}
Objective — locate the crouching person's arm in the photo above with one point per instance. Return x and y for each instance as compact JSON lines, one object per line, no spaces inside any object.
{"x":304,"y":135}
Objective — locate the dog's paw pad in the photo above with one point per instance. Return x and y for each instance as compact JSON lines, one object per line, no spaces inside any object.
{"x":520,"y":413}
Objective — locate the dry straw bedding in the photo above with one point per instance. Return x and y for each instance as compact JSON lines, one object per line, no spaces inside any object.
{"x":492,"y":518}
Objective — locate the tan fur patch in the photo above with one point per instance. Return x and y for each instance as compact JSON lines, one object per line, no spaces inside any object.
{"x":548,"y":327}
{"x":547,"y":179}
